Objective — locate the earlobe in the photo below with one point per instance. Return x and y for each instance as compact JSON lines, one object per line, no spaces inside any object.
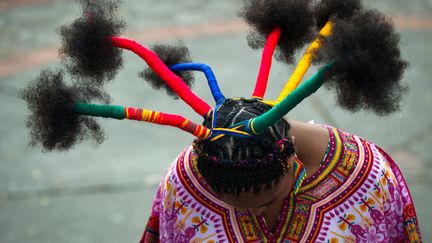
{"x":293,"y":140}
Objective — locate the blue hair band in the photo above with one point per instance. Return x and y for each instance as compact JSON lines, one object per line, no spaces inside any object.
{"x":211,"y":79}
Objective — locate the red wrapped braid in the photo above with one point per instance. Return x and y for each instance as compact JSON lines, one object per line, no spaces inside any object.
{"x":167,"y":119}
{"x":266,"y":60}
{"x":172,"y":80}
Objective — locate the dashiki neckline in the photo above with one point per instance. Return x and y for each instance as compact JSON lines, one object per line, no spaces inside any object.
{"x":345,"y":200}
{"x":238,"y":220}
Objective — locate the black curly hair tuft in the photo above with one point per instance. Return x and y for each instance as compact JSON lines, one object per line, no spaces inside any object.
{"x":294,"y":17}
{"x":325,"y":10}
{"x":367,"y":66}
{"x":170,"y":55}
{"x":52,"y":120}
{"x":87,"y":50}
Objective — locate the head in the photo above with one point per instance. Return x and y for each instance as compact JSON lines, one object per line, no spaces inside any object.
{"x":245,"y":172}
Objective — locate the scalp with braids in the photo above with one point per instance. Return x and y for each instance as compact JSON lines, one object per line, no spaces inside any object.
{"x":294,"y":17}
{"x":367,"y":66}
{"x":53,"y":122}
{"x":233,"y":164}
{"x":87,"y":50}
{"x":170,"y":55}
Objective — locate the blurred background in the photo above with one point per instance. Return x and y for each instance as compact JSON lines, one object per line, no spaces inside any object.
{"x":103,"y":193}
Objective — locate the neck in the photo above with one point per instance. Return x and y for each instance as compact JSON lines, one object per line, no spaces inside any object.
{"x":311,"y":143}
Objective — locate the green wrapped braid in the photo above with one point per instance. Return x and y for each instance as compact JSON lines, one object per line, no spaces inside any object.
{"x":108,"y":111}
{"x":260,"y":123}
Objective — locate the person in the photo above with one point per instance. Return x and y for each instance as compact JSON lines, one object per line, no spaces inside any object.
{"x":293,"y":181}
{"x":296,"y":182}
{"x":250,"y":175}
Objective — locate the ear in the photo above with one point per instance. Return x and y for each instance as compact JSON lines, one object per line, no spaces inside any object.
{"x":293,"y":139}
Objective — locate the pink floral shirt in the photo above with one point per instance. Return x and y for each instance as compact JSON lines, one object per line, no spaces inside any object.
{"x":357,"y":195}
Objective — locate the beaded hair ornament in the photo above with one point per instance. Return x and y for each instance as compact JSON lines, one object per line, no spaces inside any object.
{"x":351,"y":62}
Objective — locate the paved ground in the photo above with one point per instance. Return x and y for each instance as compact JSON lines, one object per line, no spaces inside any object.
{"x":103,"y":193}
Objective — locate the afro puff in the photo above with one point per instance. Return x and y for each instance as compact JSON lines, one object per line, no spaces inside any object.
{"x":170,"y":55}
{"x":327,"y":9}
{"x":367,"y":67}
{"x":53,"y":122}
{"x":294,"y":17}
{"x":87,"y":50}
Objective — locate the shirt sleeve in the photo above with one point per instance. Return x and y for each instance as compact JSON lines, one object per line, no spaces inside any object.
{"x":402,"y":202}
{"x":151,"y":231}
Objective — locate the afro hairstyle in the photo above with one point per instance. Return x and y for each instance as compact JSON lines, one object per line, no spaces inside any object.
{"x":86,"y":49}
{"x":294,"y":17}
{"x":52,"y":121}
{"x":325,"y":10}
{"x":367,"y":67}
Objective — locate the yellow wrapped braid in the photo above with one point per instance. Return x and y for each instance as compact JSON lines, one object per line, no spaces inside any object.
{"x":303,"y":64}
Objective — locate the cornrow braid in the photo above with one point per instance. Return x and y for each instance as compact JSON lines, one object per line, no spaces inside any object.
{"x":233,"y":164}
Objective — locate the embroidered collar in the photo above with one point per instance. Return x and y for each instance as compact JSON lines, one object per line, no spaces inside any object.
{"x":299,"y":175}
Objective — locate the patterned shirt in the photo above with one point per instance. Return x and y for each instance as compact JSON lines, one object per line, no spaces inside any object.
{"x":358,"y":194}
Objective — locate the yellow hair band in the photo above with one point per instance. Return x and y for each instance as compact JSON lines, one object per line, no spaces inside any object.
{"x":304,"y":63}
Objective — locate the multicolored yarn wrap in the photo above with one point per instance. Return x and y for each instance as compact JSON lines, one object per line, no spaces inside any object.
{"x":280,"y":145}
{"x":244,"y":129}
{"x":291,"y":95}
{"x":139,"y":114}
{"x":92,"y":39}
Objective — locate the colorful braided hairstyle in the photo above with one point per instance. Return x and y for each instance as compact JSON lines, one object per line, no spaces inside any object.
{"x":243,"y":144}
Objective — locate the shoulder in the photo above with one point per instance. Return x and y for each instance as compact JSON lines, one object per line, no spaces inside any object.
{"x":176,"y":168}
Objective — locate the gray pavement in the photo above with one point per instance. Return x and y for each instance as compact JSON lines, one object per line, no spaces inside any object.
{"x":103,"y":193}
